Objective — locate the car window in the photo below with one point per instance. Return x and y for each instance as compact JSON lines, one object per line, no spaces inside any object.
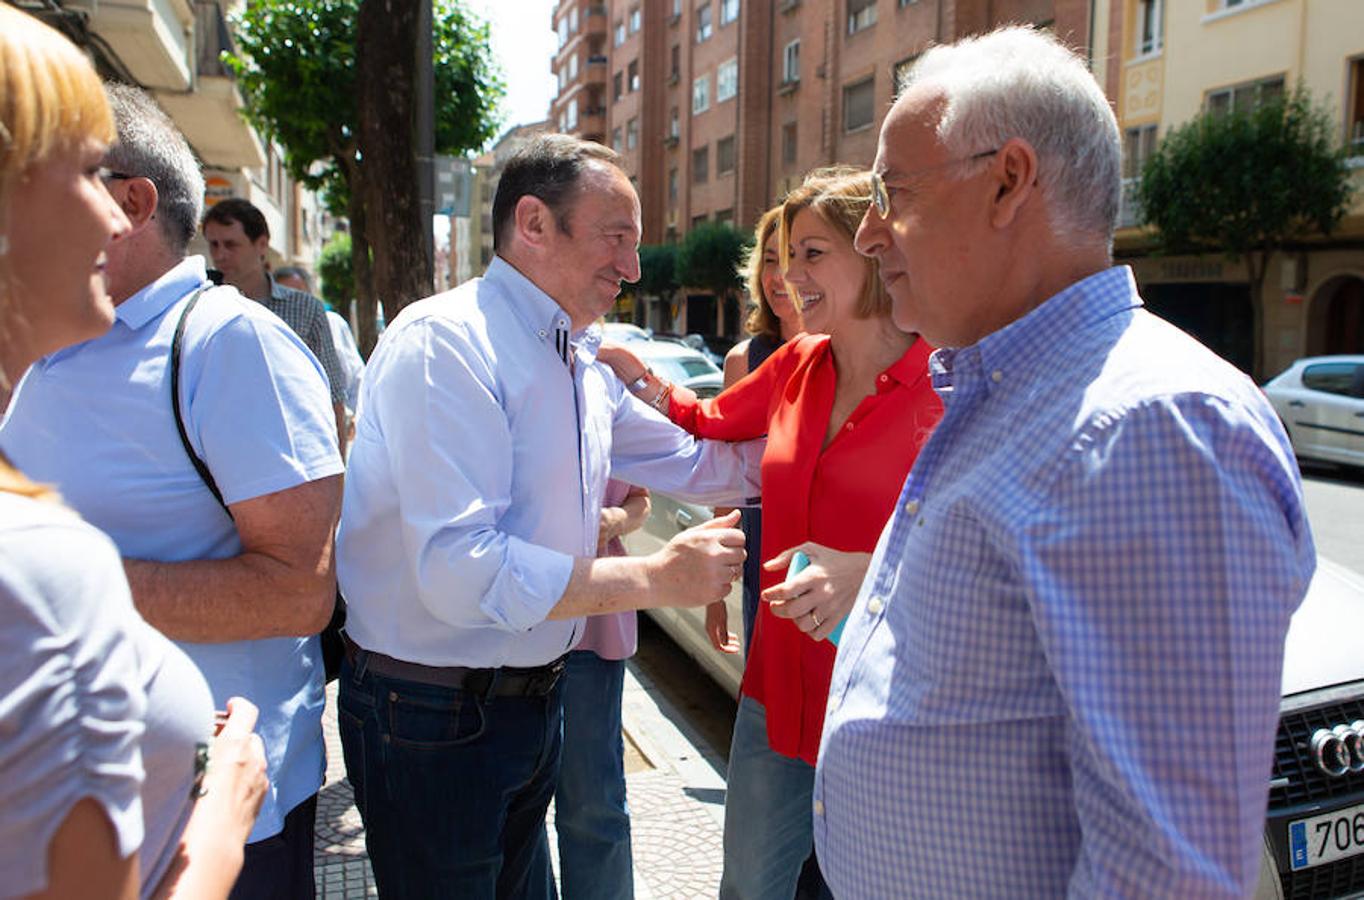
{"x":1333,"y":378}
{"x":697,"y":367}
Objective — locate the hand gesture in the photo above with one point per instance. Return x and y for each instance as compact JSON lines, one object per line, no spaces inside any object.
{"x":717,"y":629}
{"x":698,"y":565}
{"x":822,"y":594}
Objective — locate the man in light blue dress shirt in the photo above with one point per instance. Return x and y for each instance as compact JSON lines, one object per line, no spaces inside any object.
{"x":467,"y":549}
{"x":1061,"y":675}
{"x":244,"y":594}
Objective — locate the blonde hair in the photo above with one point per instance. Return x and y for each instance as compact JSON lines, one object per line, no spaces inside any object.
{"x":840,"y":195}
{"x":51,"y":101}
{"x":762,"y":320}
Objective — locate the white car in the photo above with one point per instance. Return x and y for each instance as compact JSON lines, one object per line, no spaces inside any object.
{"x":680,"y":364}
{"x":1320,"y":401}
{"x":622,"y":332}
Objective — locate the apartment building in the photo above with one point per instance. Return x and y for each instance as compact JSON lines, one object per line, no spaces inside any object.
{"x":719,"y":107}
{"x":1176,"y":60}
{"x":172,"y":48}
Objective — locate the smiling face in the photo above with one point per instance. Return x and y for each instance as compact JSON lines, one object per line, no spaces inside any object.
{"x":62,"y":219}
{"x":773,"y":284}
{"x":239,"y":258}
{"x":825,"y":271}
{"x":586,"y":263}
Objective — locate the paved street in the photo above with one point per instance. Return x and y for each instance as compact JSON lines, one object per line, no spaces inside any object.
{"x":1335,"y":506}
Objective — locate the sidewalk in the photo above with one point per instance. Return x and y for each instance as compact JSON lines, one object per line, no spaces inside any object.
{"x":676,"y":793}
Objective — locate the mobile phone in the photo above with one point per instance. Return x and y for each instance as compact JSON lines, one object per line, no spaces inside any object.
{"x":798,"y":563}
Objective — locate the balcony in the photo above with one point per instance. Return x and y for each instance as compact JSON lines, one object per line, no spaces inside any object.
{"x":153,"y":38}
{"x":1129,"y":210}
{"x":788,"y":86}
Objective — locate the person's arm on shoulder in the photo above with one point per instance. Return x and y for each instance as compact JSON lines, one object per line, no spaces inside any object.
{"x":1161,"y":568}
{"x":283,"y":583}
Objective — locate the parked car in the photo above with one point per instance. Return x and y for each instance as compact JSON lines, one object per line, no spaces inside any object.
{"x":623,"y":332}
{"x":1320,"y":401}
{"x":1314,"y":834}
{"x":680,"y":364}
{"x":695,"y":341}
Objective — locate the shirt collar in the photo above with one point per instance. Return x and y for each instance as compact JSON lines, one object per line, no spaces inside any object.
{"x":540,"y":312}
{"x":910,"y":367}
{"x":154,"y":299}
{"x":1031,"y":341}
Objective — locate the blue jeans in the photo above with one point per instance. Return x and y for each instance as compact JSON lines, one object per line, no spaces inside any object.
{"x":452,"y":786}
{"x":768,"y":819}
{"x":590,"y":813}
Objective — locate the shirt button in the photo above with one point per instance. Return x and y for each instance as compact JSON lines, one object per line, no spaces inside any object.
{"x":875,"y":605}
{"x":819,"y":807}
{"x":912,"y":507}
{"x":884,"y":379}
{"x":544,"y":333}
{"x":848,"y":427}
{"x":996,"y":376}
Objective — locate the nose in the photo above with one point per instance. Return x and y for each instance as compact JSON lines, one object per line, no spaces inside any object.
{"x":628,"y":265}
{"x":870,"y":237}
{"x":119,"y":226}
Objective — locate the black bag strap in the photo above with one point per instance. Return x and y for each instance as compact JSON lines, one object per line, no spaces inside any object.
{"x":176,"y":342}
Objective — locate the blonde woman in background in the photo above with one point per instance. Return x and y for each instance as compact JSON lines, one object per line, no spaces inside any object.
{"x":102,"y":788}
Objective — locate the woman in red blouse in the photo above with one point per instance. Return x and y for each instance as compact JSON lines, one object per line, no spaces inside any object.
{"x":845,"y":409}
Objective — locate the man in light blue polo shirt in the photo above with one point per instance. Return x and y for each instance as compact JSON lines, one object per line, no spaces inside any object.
{"x":243,"y":594}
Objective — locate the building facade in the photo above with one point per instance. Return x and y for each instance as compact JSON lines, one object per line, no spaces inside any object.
{"x":1174,"y":61}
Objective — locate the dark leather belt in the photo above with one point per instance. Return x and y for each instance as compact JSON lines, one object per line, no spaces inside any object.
{"x":505,"y":681}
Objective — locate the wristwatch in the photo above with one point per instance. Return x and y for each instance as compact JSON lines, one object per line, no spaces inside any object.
{"x":641,"y":382}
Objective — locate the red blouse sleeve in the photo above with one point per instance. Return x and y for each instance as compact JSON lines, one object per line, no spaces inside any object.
{"x":741,"y":411}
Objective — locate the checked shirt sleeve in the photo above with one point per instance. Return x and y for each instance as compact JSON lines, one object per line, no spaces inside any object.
{"x":1161,"y":574}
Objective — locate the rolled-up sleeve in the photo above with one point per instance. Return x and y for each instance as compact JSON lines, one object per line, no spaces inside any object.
{"x":449,"y":446}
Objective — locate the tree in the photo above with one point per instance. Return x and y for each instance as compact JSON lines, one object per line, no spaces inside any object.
{"x":337,"y":272}
{"x":657,"y":270}
{"x":298,"y":70}
{"x":710,"y":257}
{"x":1246,"y":183}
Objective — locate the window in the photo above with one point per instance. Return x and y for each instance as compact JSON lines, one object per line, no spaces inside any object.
{"x":672,"y":187}
{"x":632,"y":134}
{"x":1245,"y":97}
{"x":1335,"y":378}
{"x":571,"y":120}
{"x":703,"y":23}
{"x":698,"y":221}
{"x":727,"y":80}
{"x":617,"y":81}
{"x":861,"y":14}
{"x":615,"y":139}
{"x":729,"y":11}
{"x":674,"y":125}
{"x":700,"y":94}
{"x":635,"y":19}
{"x":700,"y":165}
{"x":904,"y":3}
{"x":677,"y":8}
{"x":788,"y":144}
{"x":859,"y":101}
{"x":675,"y":64}
{"x":573,"y":20}
{"x":724,"y":155}
{"x":573,"y":67}
{"x":620,"y":33}
{"x":790,"y":63}
{"x":563,"y":79}
{"x":633,"y":78}
{"x":1137,"y":146}
{"x":563,"y":32}
{"x":1148,"y":26}
{"x":1354,"y":121}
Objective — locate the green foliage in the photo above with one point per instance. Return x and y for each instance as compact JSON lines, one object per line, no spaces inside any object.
{"x":338,"y":275}
{"x":657,"y":270}
{"x":710,"y":257}
{"x":295,"y":67}
{"x":1248,"y":180}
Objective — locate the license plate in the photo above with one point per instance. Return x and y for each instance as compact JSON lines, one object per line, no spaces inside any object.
{"x":1326,"y":838}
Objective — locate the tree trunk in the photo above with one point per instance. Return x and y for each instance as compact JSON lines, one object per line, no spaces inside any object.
{"x":1257,"y":264}
{"x":386,"y":72}
{"x":365,"y":304}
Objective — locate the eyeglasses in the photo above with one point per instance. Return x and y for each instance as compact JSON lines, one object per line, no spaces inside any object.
{"x":880,"y":198}
{"x":110,"y":175}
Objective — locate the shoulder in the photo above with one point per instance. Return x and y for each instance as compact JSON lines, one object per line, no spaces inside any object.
{"x":465,"y":326}
{"x":736,"y":362}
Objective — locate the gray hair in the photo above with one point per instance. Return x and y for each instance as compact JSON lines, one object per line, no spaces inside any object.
{"x":1023,"y":82}
{"x":149,"y":145}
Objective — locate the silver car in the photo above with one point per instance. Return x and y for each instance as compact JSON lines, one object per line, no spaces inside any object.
{"x":1320,"y":401}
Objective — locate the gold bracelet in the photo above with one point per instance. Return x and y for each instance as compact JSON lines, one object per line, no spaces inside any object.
{"x":660,"y":401}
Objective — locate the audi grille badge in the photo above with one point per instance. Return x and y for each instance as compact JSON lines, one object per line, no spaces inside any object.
{"x":1337,"y":751}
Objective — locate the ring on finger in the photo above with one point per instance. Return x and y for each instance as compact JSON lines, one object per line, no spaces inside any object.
{"x":814,"y":617}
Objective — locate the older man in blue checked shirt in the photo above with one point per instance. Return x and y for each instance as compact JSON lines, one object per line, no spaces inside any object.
{"x":1094,"y":560}
{"x":468,"y":539}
